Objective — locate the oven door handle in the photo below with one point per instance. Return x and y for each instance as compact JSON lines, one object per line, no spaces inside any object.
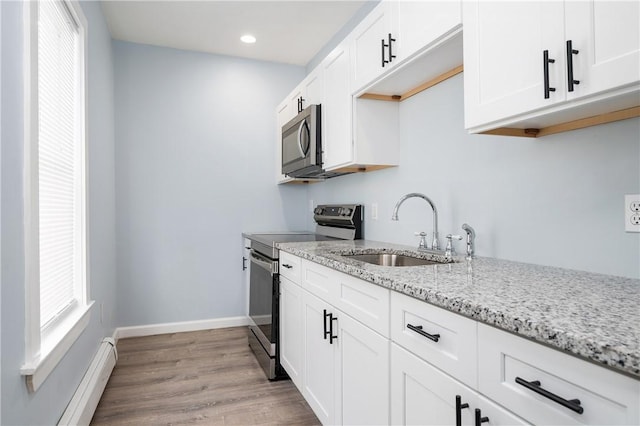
{"x":264,"y":262}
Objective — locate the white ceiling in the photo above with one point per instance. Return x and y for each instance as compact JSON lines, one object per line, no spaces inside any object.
{"x":287,"y":31}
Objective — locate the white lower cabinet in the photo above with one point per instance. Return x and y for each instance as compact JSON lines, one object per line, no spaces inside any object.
{"x":363,"y":355}
{"x":346,"y":366}
{"x":546,"y":386}
{"x":291,"y":330}
{"x":340,"y":365}
{"x":364,"y":374}
{"x":421,"y":394}
{"x":320,"y":387}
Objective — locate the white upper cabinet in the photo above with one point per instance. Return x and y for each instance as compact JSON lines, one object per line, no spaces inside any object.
{"x":606,"y":36}
{"x":504,"y":44}
{"x":336,"y":109}
{"x":308,"y":92}
{"x":374,"y":45}
{"x":420,"y":23}
{"x":396,"y":30}
{"x":519,"y":71}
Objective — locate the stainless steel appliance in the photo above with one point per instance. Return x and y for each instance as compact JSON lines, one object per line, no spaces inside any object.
{"x":302,"y":144}
{"x":333,"y":222}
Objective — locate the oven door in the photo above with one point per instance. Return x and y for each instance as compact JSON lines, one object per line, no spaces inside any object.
{"x":263,"y":301}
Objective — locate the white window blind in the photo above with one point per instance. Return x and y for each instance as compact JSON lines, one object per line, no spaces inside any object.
{"x":60,"y":160}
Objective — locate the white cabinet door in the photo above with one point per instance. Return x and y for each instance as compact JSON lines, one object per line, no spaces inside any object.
{"x":420,"y":23}
{"x":291,"y":330}
{"x":296,"y":99}
{"x":369,"y":50}
{"x":503,"y":58}
{"x":607,"y":37}
{"x":423,"y":395}
{"x":321,"y":360}
{"x":364,"y":374}
{"x":336,"y":108}
{"x":313,"y":88}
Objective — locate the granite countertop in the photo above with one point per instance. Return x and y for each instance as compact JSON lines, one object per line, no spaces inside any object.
{"x":593,"y":316}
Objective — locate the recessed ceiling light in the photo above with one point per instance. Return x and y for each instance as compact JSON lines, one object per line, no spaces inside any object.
{"x":248,"y":38}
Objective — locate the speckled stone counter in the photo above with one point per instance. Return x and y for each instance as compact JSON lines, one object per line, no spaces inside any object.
{"x":593,"y":316}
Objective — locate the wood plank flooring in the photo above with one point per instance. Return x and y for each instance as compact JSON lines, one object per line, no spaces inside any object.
{"x":205,"y":377}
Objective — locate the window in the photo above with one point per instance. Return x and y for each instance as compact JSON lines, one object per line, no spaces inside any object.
{"x":57,"y":305}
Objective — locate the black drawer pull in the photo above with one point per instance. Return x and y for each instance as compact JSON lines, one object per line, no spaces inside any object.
{"x":326,"y":331}
{"x":545,"y":72}
{"x":459,"y":407}
{"x":479,"y":418}
{"x":284,"y":265}
{"x":570,"y":52}
{"x":383,"y":45}
{"x":391,"y":55}
{"x":418,"y":329}
{"x":571,"y":404}
{"x":331,"y":336}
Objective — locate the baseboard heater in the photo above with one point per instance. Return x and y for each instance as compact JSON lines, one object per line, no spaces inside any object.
{"x":85,"y":400}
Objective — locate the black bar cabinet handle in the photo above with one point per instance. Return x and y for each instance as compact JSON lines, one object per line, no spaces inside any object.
{"x":391,"y":55}
{"x":326,"y":331}
{"x":382,"y":46}
{"x":459,"y":407}
{"x":571,"y":404}
{"x":570,"y":52}
{"x":546,"y":61}
{"x":286,"y":265}
{"x":331,"y":336}
{"x":479,"y":418}
{"x":244,"y":263}
{"x":418,"y":329}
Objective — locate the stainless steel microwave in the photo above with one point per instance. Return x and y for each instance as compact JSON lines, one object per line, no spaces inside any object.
{"x":302,"y":144}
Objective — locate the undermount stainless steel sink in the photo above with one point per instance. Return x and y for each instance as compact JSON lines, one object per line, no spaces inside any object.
{"x":387,"y":259}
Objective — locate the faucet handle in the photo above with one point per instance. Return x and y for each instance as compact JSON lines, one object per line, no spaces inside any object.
{"x":423,"y":239}
{"x":450,"y":250}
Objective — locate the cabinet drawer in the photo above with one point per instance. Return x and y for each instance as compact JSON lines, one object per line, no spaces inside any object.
{"x":364,"y":301}
{"x":606,"y":397}
{"x":455,"y":349}
{"x":290,"y":266}
{"x":319,"y":280}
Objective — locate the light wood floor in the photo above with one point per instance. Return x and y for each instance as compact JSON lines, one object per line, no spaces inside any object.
{"x":205,"y":377}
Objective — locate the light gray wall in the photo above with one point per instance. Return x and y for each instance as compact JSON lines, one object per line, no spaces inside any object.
{"x":48,"y":403}
{"x":195,"y":167}
{"x":556,"y":200}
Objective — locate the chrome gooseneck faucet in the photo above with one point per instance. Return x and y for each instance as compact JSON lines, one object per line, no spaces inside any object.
{"x":435,"y":245}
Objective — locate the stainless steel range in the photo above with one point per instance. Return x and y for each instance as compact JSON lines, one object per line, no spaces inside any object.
{"x":333,"y":222}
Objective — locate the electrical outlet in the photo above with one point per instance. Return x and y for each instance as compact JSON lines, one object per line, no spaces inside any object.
{"x":374,"y":211}
{"x":311,"y":206}
{"x":632,"y":213}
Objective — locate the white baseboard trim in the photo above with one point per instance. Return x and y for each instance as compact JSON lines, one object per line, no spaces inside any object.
{"x":178,"y":327}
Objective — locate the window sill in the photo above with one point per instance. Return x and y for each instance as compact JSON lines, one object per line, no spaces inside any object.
{"x":55,"y":345}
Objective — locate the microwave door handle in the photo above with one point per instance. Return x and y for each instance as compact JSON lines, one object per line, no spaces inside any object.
{"x":302,"y":153}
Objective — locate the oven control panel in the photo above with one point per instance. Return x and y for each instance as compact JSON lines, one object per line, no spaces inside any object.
{"x":334,"y":211}
{"x":340,"y":215}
